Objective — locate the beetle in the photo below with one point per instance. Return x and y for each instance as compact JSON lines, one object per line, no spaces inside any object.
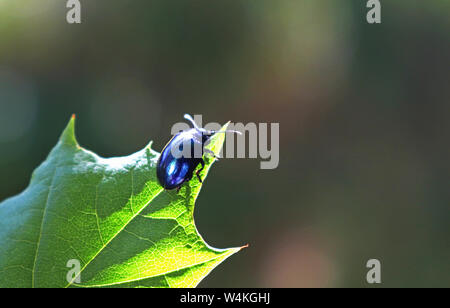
{"x":182,"y":154}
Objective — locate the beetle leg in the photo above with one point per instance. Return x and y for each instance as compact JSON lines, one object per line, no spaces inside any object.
{"x":178,"y":189}
{"x":200,"y":170}
{"x":209,"y":152}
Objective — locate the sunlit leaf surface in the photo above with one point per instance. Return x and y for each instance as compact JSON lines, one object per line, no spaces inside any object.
{"x":111,"y":215}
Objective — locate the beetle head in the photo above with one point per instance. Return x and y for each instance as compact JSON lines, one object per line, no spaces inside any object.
{"x":206,"y":134}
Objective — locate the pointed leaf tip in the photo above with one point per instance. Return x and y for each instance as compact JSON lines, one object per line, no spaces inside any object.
{"x":68,"y":135}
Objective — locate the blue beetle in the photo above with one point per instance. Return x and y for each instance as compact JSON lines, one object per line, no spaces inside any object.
{"x":182,"y":154}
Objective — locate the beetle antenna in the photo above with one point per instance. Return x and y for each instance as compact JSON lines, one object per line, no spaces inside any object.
{"x":229,"y":131}
{"x":190,"y":119}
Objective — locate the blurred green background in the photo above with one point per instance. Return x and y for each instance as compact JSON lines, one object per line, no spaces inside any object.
{"x":363,"y":110}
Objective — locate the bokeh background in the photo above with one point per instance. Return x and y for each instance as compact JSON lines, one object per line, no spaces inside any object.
{"x":363,"y":109}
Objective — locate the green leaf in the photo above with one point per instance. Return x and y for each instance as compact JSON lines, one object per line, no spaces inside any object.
{"x":111,"y":215}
